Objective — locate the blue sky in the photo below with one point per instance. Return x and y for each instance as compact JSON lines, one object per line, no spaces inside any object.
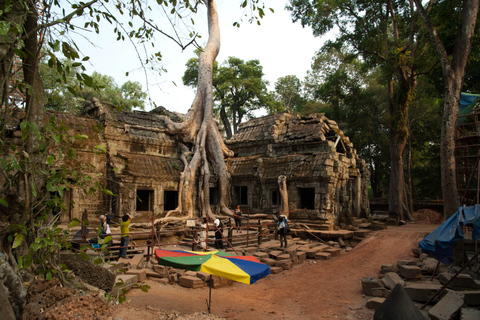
{"x":283,"y":48}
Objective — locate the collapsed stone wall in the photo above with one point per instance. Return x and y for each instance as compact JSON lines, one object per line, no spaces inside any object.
{"x":326,"y":180}
{"x":131,"y":154}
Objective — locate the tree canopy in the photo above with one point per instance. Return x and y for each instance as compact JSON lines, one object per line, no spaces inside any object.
{"x":239,"y":89}
{"x":69,"y":94}
{"x":386,"y":35}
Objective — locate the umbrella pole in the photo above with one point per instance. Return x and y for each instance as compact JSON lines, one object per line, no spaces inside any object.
{"x":209,"y":301}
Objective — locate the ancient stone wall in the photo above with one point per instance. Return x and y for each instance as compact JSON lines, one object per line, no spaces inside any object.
{"x":325,"y":178}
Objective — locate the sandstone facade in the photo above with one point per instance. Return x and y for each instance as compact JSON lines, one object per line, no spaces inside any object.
{"x":326,"y":180}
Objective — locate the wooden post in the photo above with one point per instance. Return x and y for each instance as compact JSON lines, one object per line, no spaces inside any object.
{"x":260,"y":233}
{"x":248,"y":224}
{"x":276,"y":231}
{"x":195,"y":238}
{"x":230,"y":232}
{"x":84,"y":227}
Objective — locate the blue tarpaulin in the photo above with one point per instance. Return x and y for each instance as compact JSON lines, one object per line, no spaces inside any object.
{"x":466,"y":99}
{"x":439,"y":244}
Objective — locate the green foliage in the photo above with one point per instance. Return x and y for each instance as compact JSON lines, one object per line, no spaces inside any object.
{"x":122,"y":291}
{"x":38,"y":234}
{"x":43,"y":251}
{"x":69,"y":92}
{"x":289,"y":93}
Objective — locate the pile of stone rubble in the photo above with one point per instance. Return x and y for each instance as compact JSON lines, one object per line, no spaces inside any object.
{"x":131,"y":271}
{"x":459,"y":300}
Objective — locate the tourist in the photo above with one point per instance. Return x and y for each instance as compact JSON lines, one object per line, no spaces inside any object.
{"x":203,"y":234}
{"x":105,"y":230}
{"x":218,"y":234}
{"x":238,"y":218}
{"x":125,"y":237}
{"x":282,"y":230}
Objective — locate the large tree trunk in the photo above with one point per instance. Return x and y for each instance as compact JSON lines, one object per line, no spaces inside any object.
{"x":398,"y":109}
{"x":15,"y":17}
{"x":35,"y":101}
{"x":453,"y":73}
{"x":199,"y":127}
{"x":451,"y":200}
{"x":282,"y":186}
{"x":226,"y":123}
{"x":397,"y":181}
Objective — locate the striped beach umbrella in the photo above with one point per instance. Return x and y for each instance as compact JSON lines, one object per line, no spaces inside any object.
{"x":245,"y":269}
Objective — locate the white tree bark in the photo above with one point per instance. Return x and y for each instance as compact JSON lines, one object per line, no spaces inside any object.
{"x":282,"y":186}
{"x":200,"y":129}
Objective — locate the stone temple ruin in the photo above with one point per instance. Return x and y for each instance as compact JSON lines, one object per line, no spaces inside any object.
{"x":325,"y":178}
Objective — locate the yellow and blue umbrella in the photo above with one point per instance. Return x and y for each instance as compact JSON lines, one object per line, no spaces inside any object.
{"x":245,"y":269}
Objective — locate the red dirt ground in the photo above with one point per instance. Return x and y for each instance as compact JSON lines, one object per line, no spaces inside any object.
{"x":313,"y":290}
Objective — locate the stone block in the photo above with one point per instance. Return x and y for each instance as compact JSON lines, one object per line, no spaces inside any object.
{"x":174,"y":277}
{"x":202,"y":275}
{"x":365,"y":225}
{"x":374,"y":303}
{"x":422,"y":292}
{"x":217,"y":281}
{"x":140,"y":273}
{"x":406,"y":263}
{"x":302,"y":256}
{"x":410,"y":272}
{"x":369,"y":283}
{"x":191,"y":273}
{"x":153,"y":274}
{"x":190,"y":282}
{"x":361,"y":233}
{"x":260,"y":255}
{"x":323,"y":256}
{"x":335,"y":252}
{"x":448,"y":307}
{"x":285,"y":256}
{"x":275,"y":270}
{"x":161,"y":270}
{"x":462,"y":281}
{"x":428,"y":266}
{"x":380,"y":292}
{"x":305,"y":247}
{"x":388,"y":267}
{"x":313,"y":251}
{"x":123,"y":281}
{"x":417,"y":252}
{"x":391,"y":279}
{"x":249,"y":251}
{"x":136,"y":260}
{"x":163,"y":281}
{"x":472,"y":298}
{"x":225,"y":281}
{"x":292,"y":251}
{"x":285,"y":264}
{"x":469,"y":314}
{"x":125,"y":261}
{"x":270,"y":262}
{"x":180,"y":272}
{"x":275,"y":253}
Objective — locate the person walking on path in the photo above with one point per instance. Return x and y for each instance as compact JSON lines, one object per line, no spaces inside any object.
{"x":282,"y":230}
{"x":238,"y":219}
{"x":105,"y":229}
{"x":203,"y":234}
{"x":125,"y":237}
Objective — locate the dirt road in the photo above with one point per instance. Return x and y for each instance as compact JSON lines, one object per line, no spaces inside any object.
{"x":314,"y":290}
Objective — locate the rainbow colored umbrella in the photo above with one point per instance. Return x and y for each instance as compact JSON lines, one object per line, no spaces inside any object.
{"x":245,"y":269}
